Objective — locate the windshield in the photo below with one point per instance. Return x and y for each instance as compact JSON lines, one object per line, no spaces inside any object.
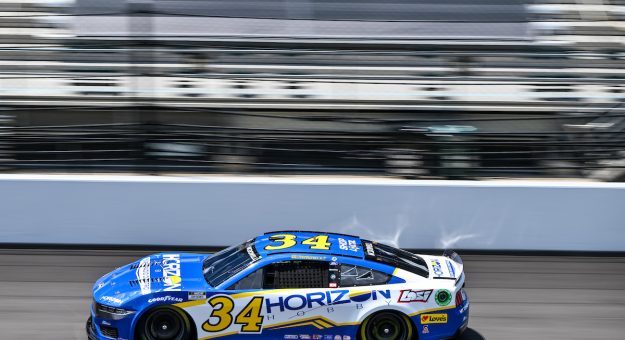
{"x":221,"y":266}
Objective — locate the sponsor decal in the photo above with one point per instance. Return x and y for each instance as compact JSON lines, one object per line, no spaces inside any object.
{"x":436,"y":267}
{"x":308,"y":257}
{"x":253,"y":256}
{"x":100,"y":285}
{"x":353,"y":246}
{"x":111,"y":299}
{"x":143,"y":276}
{"x":297,"y":302}
{"x":171,"y":272}
{"x":342,"y":244}
{"x":369,"y":249}
{"x":350,"y":245}
{"x":194,"y":296}
{"x":450,"y":266}
{"x":328,"y":337}
{"x":332,"y":285}
{"x":443,"y":297}
{"x":347,"y":337}
{"x":426,"y":329}
{"x":317,"y":336}
{"x":144,"y":264}
{"x":337,"y":337}
{"x":414,"y":296}
{"x":433,"y":318}
{"x":291,"y":336}
{"x":166,"y":299}
{"x":304,"y":336}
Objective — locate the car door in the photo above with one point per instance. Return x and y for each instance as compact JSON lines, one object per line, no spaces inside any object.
{"x":277,"y":300}
{"x":312,"y":298}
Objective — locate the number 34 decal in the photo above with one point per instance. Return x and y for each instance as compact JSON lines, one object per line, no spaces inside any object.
{"x":221,"y":317}
{"x":285,"y":241}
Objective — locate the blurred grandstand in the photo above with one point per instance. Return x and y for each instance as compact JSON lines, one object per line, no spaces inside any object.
{"x":411,"y":88}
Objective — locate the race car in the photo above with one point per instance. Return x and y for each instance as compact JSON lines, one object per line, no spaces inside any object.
{"x":284,"y":285}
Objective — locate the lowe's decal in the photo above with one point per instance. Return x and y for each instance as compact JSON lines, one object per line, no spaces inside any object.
{"x":433,"y":318}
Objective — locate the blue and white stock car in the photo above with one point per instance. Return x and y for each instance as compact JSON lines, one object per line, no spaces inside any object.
{"x":284,"y":285}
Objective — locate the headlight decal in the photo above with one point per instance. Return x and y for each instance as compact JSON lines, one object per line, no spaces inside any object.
{"x":109,"y":312}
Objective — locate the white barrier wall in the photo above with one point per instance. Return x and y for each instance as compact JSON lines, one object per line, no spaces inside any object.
{"x":219,"y":211}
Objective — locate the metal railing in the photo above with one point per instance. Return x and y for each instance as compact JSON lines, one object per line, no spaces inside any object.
{"x":417,"y":150}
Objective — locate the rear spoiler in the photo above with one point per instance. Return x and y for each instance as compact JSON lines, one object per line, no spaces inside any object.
{"x":452,"y":255}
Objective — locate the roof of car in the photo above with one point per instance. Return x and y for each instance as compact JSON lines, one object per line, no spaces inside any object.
{"x":289,"y":241}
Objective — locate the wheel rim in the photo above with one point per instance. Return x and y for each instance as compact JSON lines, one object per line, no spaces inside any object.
{"x":164,"y":325}
{"x":387,"y":326}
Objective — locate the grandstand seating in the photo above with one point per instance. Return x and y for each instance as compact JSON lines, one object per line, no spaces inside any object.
{"x":565,"y":69}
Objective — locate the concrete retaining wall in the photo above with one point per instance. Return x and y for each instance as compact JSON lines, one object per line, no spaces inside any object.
{"x":219,"y":211}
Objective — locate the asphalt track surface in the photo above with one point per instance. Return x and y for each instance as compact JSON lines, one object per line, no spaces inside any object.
{"x":44,"y":294}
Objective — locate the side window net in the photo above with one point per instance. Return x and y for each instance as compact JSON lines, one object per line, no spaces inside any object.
{"x":352,"y":276}
{"x":296,"y":274}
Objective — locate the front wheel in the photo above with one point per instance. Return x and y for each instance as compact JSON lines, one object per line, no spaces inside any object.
{"x":386,"y":326}
{"x":164,"y":323}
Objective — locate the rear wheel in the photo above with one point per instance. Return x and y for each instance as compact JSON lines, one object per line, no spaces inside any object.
{"x":164,"y":323}
{"x":386,"y":326}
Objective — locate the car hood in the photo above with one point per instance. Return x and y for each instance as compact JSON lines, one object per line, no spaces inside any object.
{"x":165,"y":272}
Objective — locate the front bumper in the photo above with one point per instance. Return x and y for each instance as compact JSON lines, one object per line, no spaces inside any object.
{"x":91,"y":331}
{"x":102,"y":329}
{"x":102,"y":332}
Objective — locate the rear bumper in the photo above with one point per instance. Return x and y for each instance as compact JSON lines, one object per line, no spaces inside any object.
{"x":457,"y":323}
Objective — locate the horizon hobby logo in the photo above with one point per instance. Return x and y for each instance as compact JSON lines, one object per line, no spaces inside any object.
{"x":171,"y":272}
{"x":317,"y":299}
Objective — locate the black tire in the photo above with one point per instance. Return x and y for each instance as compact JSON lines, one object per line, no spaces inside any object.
{"x":386,"y":325}
{"x":164,"y":323}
